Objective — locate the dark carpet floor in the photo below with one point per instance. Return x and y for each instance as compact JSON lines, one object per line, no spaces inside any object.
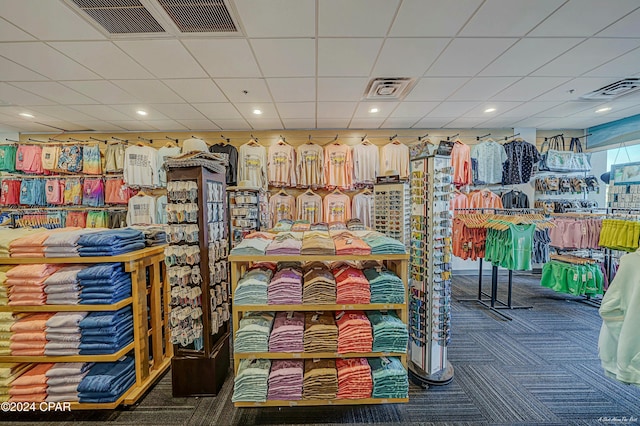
{"x":541,"y":368}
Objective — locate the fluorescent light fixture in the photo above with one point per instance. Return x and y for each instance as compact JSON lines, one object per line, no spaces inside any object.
{"x":605,"y":109}
{"x":26,"y":115}
{"x":489,"y":110}
{"x":142,"y":112}
{"x":257,"y":111}
{"x":373,"y":110}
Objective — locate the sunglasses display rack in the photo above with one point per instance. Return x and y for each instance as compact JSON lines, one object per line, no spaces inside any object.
{"x":430,"y":270}
{"x":198,"y":272}
{"x":244,"y":213}
{"x":392,"y":210}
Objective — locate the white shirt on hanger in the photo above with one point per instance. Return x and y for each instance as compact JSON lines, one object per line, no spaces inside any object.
{"x":362,"y":208}
{"x":141,"y":166}
{"x":141,"y":210}
{"x":366,"y":162}
{"x":252,"y":165}
{"x":395,"y":156}
{"x":163,"y":153}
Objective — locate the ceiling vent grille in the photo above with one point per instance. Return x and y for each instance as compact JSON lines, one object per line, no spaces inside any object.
{"x":120,"y":16}
{"x":390,"y":89}
{"x":199,"y":16}
{"x":614,"y":90}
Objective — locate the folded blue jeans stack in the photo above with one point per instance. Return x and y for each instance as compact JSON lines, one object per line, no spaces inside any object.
{"x":104,"y":284}
{"x":111,"y":243}
{"x":106,"y":332}
{"x":107,"y":381}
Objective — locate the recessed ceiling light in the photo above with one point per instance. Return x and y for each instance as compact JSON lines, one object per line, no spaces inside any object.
{"x":605,"y":109}
{"x":257,"y":111}
{"x":373,"y":110}
{"x":489,"y":110}
{"x":27,"y":115}
{"x":141,"y":112}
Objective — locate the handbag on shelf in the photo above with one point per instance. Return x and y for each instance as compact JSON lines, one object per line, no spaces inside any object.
{"x":580,"y":161}
{"x":555,"y":157}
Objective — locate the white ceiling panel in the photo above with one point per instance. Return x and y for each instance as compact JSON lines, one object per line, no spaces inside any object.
{"x":64,"y":125}
{"x":528,"y":109}
{"x":464,"y":122}
{"x":587,"y":56}
{"x":61,"y":112}
{"x":366,"y":123}
{"x":286,"y":57}
{"x":528,"y":88}
{"x":341,"y":89}
{"x":575,"y":88}
{"x":528,"y":55}
{"x":103,"y":58}
{"x":566,"y":109}
{"x":14,"y":72}
{"x":336,"y":109}
{"x":100,"y":126}
{"x":149,"y":91}
{"x":45,"y":60}
{"x":584,"y":17}
{"x":269,"y":111}
{"x":467,"y":56}
{"x":629,"y":26}
{"x":234,"y":89}
{"x":163,"y":58}
{"x":432,"y":18}
{"x":399,"y":123}
{"x":299,"y":123}
{"x":134,"y":125}
{"x":384,"y":109}
{"x":9,"y":32}
{"x":297,"y":110}
{"x":265,"y":123}
{"x":30,"y":126}
{"x":12,"y":113}
{"x":452,"y":109}
{"x":266,"y":19}
{"x":481,"y":88}
{"x":198,"y":124}
{"x":166,"y":125}
{"x":431,"y":123}
{"x":355,"y":18}
{"x":56,"y":92}
{"x":14,"y":95}
{"x":566,"y":123}
{"x":332,"y":123}
{"x":413,"y":109}
{"x":435,"y":89}
{"x":102,"y":112}
{"x":343,"y":57}
{"x":531,"y":122}
{"x":224,"y":58}
{"x":292,"y":89}
{"x":131,"y":112}
{"x":226,"y":124}
{"x":217,"y":111}
{"x":48,"y":20}
{"x":408,"y":57}
{"x":179,"y":111}
{"x":104,"y":91}
{"x":625,"y":65}
{"x":196,"y":90}
{"x":499,"y":123}
{"x":479,"y":111}
{"x":503,"y":18}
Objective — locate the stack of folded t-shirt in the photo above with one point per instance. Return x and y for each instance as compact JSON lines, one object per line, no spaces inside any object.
{"x":354,"y":378}
{"x":63,"y":333}
{"x":28,"y":336}
{"x":4,"y":291}
{"x":106,"y":332}
{"x":287,"y":334}
{"x":283,"y":225}
{"x":63,"y":381}
{"x":300,"y":226}
{"x":26,"y":283}
{"x":253,"y":333}
{"x":7,"y":235}
{"x":111,"y":242}
{"x":352,"y":286}
{"x":65,"y":244}
{"x":386,"y":287}
{"x":389,"y":378}
{"x":251,"y":381}
{"x":337,"y":226}
{"x":320,"y":379}
{"x":285,"y":243}
{"x":355,"y":224}
{"x":8,"y":373}
{"x":285,"y":287}
{"x":252,"y":287}
{"x":107,"y":381}
{"x":317,"y":243}
{"x":285,"y":380}
{"x":6,"y":321}
{"x":319,"y":226}
{"x":348,"y":243}
{"x":319,"y":285}
{"x":320,"y":332}
{"x":255,"y":243}
{"x":354,"y":332}
{"x":389,"y":332}
{"x":31,"y":386}
{"x":104,"y":284}
{"x":153,"y":235}
{"x":381,"y":244}
{"x":31,"y":245}
{"x":63,"y":286}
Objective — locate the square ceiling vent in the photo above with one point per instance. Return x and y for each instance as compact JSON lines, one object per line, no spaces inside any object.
{"x":120,"y":16}
{"x":199,"y":16}
{"x":613,"y":90}
{"x":388,"y":88}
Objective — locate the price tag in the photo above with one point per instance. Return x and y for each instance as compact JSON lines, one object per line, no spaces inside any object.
{"x":289,"y":315}
{"x":340,"y":315}
{"x":575,"y":276}
{"x":315,"y":317}
{"x":590,"y":275}
{"x":296,"y":355}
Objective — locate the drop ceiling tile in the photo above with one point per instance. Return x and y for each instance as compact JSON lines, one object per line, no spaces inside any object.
{"x":501,"y":107}
{"x":29,"y":126}
{"x":408,"y":57}
{"x":9,"y":32}
{"x":14,"y":95}
{"x":6,"y":128}
{"x":341,"y":89}
{"x":336,"y":110}
{"x":433,"y":123}
{"x":299,"y":123}
{"x":292,"y":89}
{"x":384,"y":109}
{"x":528,"y":55}
{"x":332,"y":123}
{"x":629,"y":26}
{"x":591,"y":112}
{"x":587,"y":56}
{"x":149,"y":91}
{"x":102,"y":112}
{"x":266,"y":19}
{"x":355,"y":18}
{"x":218,"y":111}
{"x":366,"y":123}
{"x":617,"y":113}
{"x":529,"y":88}
{"x":468,"y":56}
{"x":625,"y":65}
{"x":198,"y":124}
{"x":481,"y":88}
{"x":166,"y":125}
{"x":583,"y":17}
{"x":63,"y":125}
{"x":343,"y":57}
{"x":452,"y":109}
{"x":268,"y":110}
{"x":566,"y":109}
{"x":531,"y":122}
{"x":131,"y":112}
{"x":265,"y":124}
{"x":573,"y":89}
{"x":465,"y":123}
{"x":45,"y":60}
{"x":179,"y":111}
{"x":286,"y":57}
{"x":103,"y":91}
{"x":565,"y":124}
{"x":435,"y":88}
{"x":13,"y":113}
{"x":135,"y":125}
{"x":432,"y":18}
{"x":14,"y":72}
{"x":224,"y":58}
{"x":56,"y":92}
{"x":100,"y":126}
{"x":233,"y":124}
{"x":413,"y":109}
{"x":48,"y":20}
{"x":196,"y":90}
{"x":233,"y":89}
{"x":297,"y":109}
{"x":399,"y":123}
{"x":61,"y":112}
{"x":503,"y":18}
{"x":163,"y":58}
{"x":103,"y":58}
{"x":500,"y":123}
{"x":528,"y":109}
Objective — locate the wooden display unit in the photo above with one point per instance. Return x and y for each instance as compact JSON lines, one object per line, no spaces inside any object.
{"x":397,"y":263}
{"x":150,"y":297}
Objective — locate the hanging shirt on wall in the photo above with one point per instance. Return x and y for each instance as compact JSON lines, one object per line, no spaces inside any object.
{"x":141,"y":210}
{"x":232,"y":156}
{"x":114,"y":158}
{"x":50,"y":156}
{"x":459,"y":201}
{"x":461,"y":162}
{"x":161,"y":209}
{"x":310,"y":170}
{"x":515,"y":200}
{"x":337,"y":208}
{"x":282,"y":206}
{"x":92,"y":162}
{"x":366,"y":163}
{"x":281,"y":164}
{"x":252,"y":164}
{"x":163,"y":153}
{"x":395,"y":156}
{"x":8,"y":158}
{"x":362,"y":208}
{"x":490,"y":156}
{"x":521,"y":156}
{"x":484,"y":199}
{"x":141,"y":166}
{"x":70,"y":159}
{"x":338,"y":168}
{"x":309,"y":207}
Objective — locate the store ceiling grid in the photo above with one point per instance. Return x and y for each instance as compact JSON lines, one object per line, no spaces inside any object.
{"x":307,"y":64}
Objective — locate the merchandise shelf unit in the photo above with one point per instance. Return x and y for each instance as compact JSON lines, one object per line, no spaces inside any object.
{"x":244,"y":213}
{"x":151,"y":344}
{"x":398,"y":263}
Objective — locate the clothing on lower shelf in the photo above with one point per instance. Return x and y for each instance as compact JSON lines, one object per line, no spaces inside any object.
{"x":63,"y":333}
{"x":287,"y":334}
{"x":354,"y":332}
{"x":380,"y":243}
{"x":106,"y":332}
{"x":390,"y":378}
{"x":389,"y":332}
{"x":285,"y":287}
{"x":320,"y":332}
{"x":31,"y":386}
{"x":110,"y":243}
{"x":254,"y":331}
{"x":8,"y":373}
{"x":252,"y":287}
{"x":317,"y":243}
{"x":107,"y":381}
{"x":255,"y":243}
{"x":386,"y":287}
{"x":28,"y":336}
{"x":575,"y":279}
{"x":104,"y":284}
{"x":348,"y":243}
{"x":251,"y":381}
{"x":285,"y":243}
{"x":352,"y":286}
{"x":319,"y":285}
{"x":354,"y":378}
{"x":26,"y":283}
{"x":320,"y":379}
{"x":286,"y":380}
{"x":63,"y":380}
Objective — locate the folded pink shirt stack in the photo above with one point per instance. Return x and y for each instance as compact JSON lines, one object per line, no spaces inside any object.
{"x":26,"y":284}
{"x":28,"y":336}
{"x":31,"y":386}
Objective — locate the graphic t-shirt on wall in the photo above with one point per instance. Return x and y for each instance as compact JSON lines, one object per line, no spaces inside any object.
{"x":337,"y":208}
{"x":253,"y":165}
{"x":310,"y":160}
{"x":141,"y":210}
{"x":141,"y":166}
{"x":338,"y":167}
{"x":309,"y":207}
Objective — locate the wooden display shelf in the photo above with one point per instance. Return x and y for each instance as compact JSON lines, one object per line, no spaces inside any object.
{"x":124,"y":258}
{"x":71,"y":358}
{"x":311,"y":258}
{"x":68,"y":308}
{"x":313,"y":308}
{"x":313,"y":355}
{"x":311,"y":402}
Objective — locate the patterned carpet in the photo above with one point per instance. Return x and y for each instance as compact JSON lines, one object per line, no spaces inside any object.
{"x":541,"y":368}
